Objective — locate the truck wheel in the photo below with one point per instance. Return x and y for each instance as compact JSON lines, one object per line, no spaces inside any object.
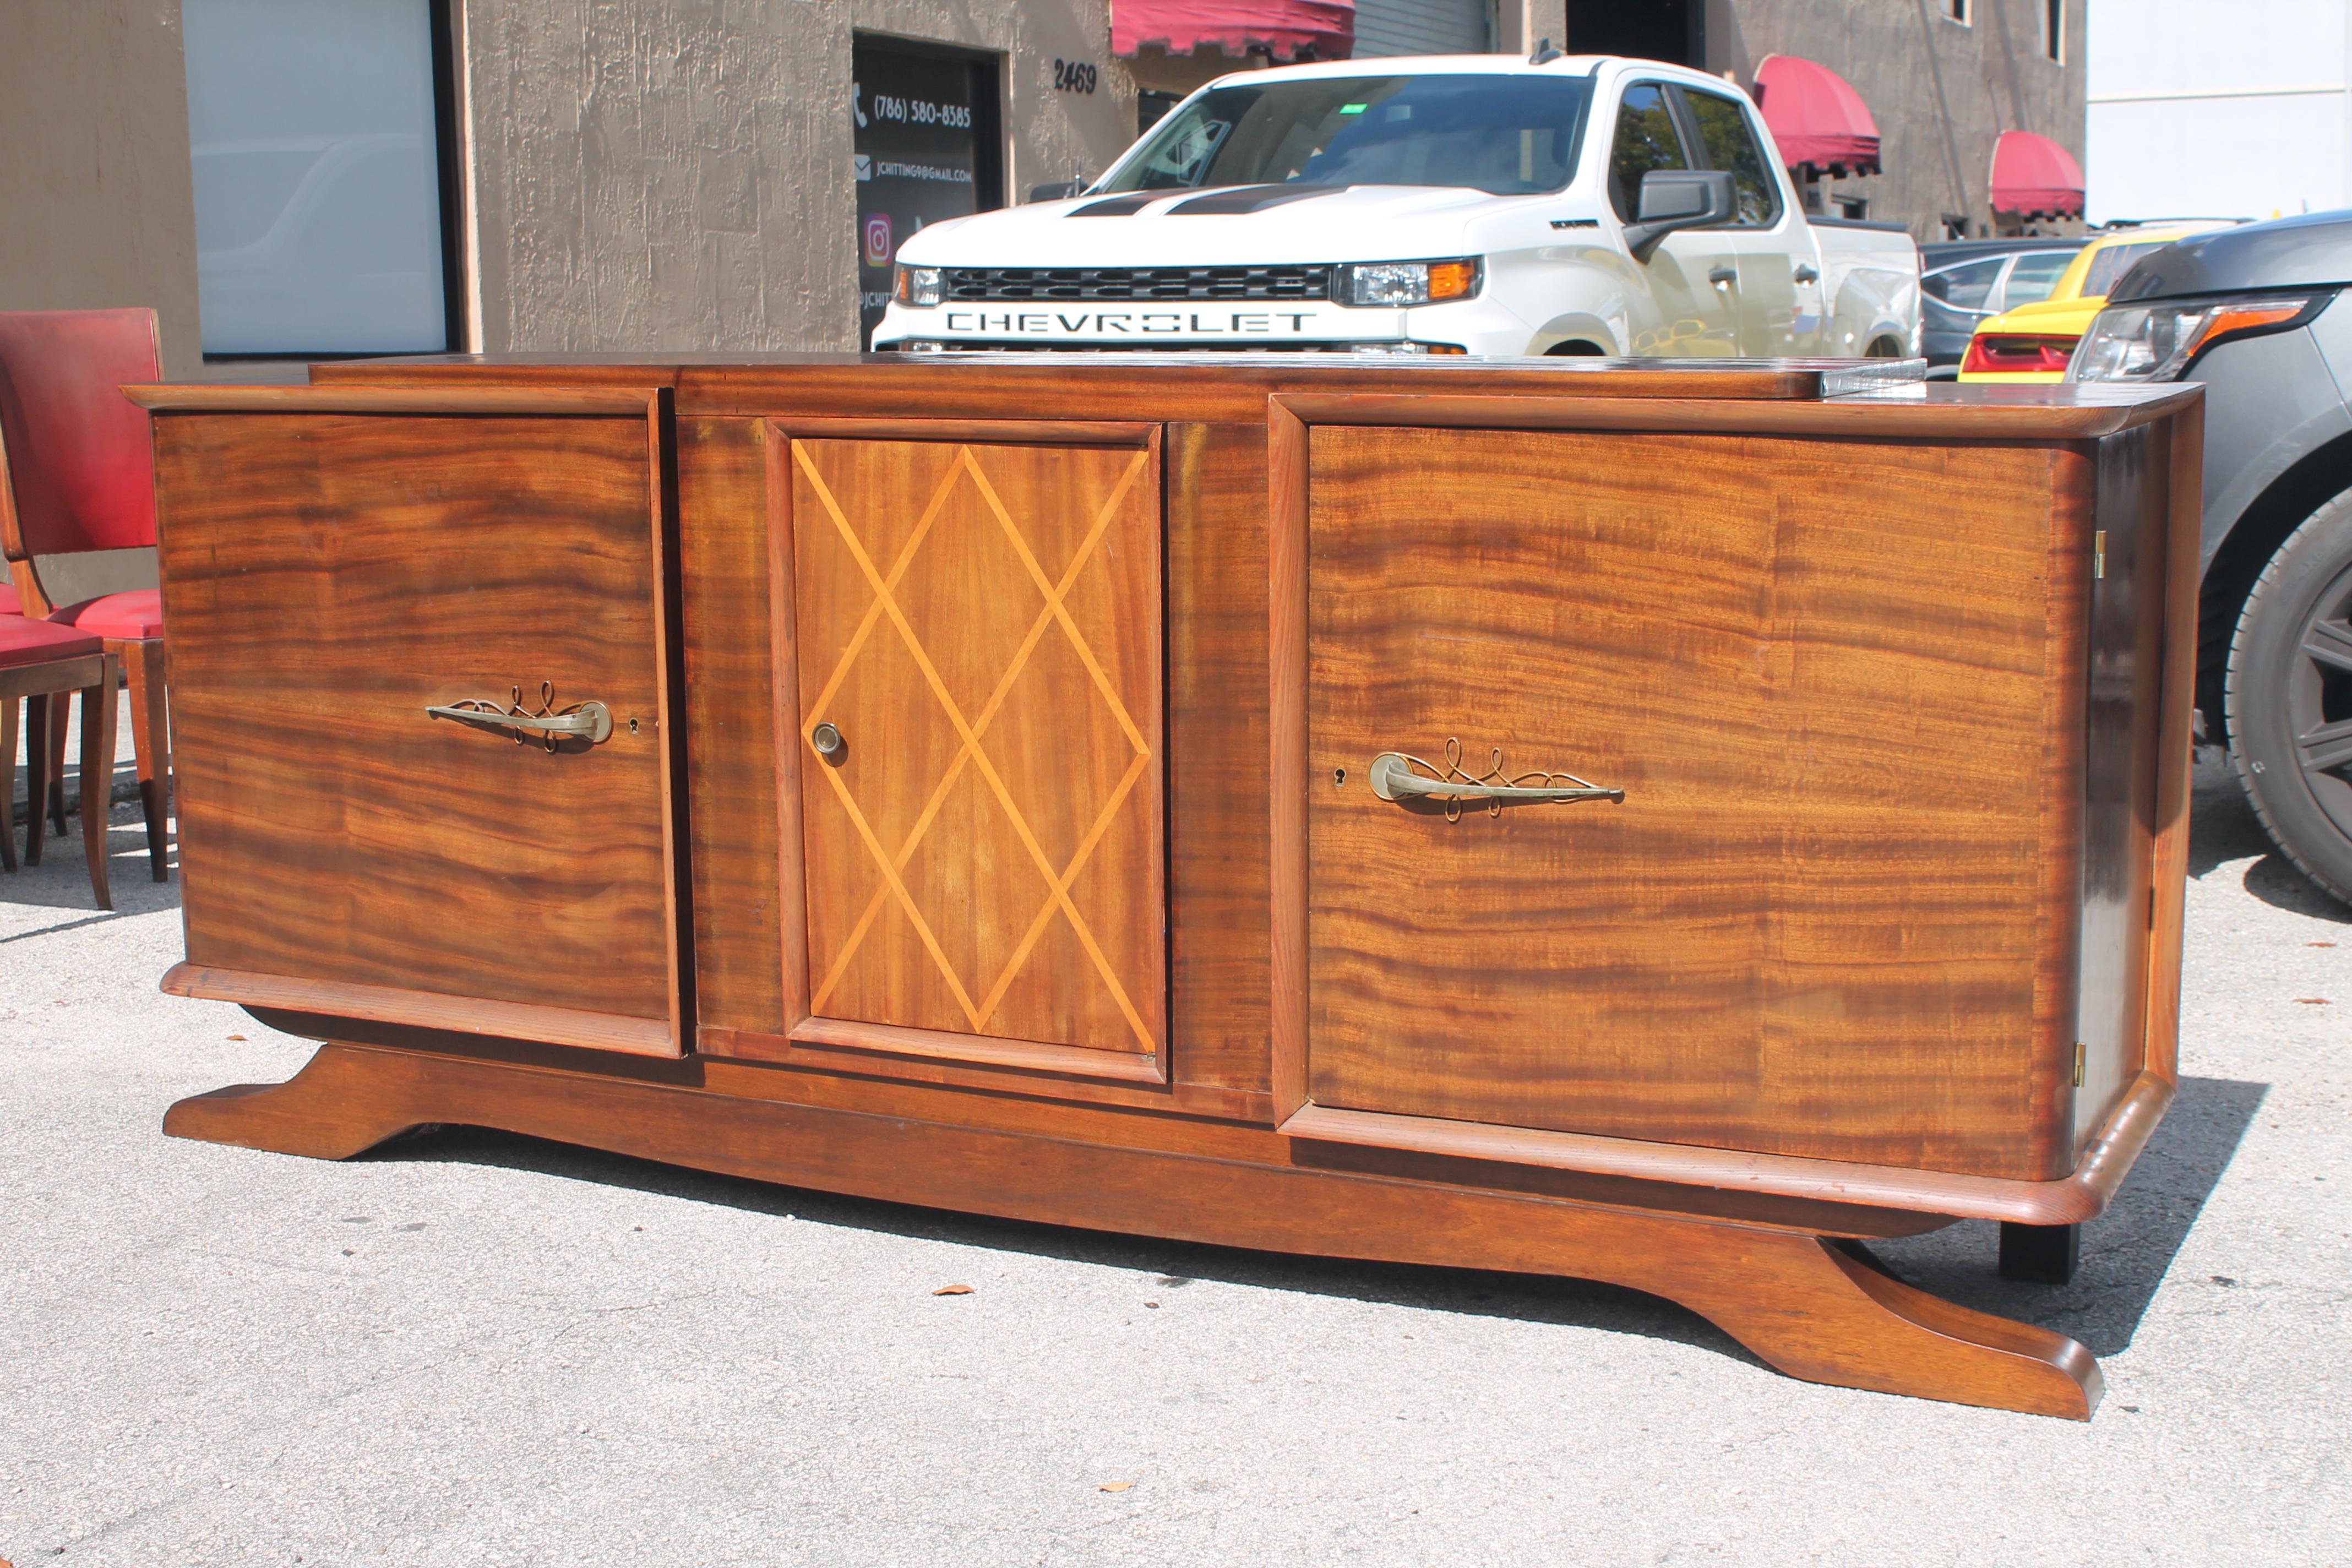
{"x":2289,"y":697}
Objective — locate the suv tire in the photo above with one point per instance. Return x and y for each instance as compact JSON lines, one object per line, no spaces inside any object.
{"x":2288,"y":695}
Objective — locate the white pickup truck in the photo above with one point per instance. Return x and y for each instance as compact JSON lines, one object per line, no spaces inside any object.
{"x":1473,"y":204}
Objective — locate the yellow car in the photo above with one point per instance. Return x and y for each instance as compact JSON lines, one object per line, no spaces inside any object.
{"x":2032,"y":343}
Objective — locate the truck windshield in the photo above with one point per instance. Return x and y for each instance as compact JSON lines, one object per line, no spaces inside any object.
{"x":1502,"y":134}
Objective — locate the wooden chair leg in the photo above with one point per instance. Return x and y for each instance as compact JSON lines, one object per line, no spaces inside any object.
{"x":11,"y":712}
{"x":151,"y":740}
{"x":60,"y":706}
{"x":98,"y":776}
{"x":37,"y":711}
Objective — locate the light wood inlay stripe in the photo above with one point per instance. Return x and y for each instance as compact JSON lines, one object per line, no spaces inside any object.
{"x":887,"y":598}
{"x":1053,"y":599}
{"x":1054,"y":594}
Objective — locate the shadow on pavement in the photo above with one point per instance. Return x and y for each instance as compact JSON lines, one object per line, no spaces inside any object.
{"x":61,"y":881}
{"x":2276,"y":881}
{"x":2223,"y":828}
{"x":2126,"y":1252}
{"x":1171,"y":1264}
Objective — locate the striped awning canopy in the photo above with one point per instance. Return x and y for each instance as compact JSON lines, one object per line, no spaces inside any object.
{"x":2035,"y":177}
{"x":1286,"y":29}
{"x":1816,"y":116}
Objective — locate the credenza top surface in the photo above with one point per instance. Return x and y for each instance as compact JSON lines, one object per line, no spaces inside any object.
{"x":1790,"y":396}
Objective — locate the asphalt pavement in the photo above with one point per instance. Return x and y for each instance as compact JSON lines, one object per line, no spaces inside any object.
{"x":469,"y":1348}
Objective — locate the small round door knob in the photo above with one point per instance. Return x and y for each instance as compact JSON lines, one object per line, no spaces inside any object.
{"x":826,"y":738}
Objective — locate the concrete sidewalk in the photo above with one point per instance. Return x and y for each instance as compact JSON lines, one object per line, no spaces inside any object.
{"x":474,"y":1349}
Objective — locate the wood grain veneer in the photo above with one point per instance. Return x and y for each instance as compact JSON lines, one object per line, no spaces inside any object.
{"x":985,"y":852}
{"x":1902,"y":771}
{"x":336,"y":833}
{"x":744,"y":909}
{"x":1810,"y":927}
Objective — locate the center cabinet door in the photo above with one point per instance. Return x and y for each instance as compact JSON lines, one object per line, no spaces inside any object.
{"x":978,"y":754}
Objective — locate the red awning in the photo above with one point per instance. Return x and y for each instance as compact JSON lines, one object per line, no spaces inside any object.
{"x":2035,"y":177}
{"x":1816,"y":116}
{"x":1323,"y":29}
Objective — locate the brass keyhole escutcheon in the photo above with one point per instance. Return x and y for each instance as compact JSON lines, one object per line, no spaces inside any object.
{"x":828,"y":740}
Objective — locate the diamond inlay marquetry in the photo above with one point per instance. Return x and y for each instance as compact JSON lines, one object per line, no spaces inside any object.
{"x":983,"y":624}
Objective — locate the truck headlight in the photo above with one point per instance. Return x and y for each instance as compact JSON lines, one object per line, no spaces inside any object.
{"x":921,"y":285}
{"x":2159,"y":343}
{"x":1407,"y":283}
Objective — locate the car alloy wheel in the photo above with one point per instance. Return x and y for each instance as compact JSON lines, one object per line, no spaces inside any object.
{"x":2289,"y":696}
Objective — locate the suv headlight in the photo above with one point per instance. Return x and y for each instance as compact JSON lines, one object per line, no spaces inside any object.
{"x":1406,"y":282}
{"x":919,"y":285}
{"x":2159,"y":343}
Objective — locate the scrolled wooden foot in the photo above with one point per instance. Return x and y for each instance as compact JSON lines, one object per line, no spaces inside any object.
{"x":1824,"y":1311}
{"x":333,"y":1108}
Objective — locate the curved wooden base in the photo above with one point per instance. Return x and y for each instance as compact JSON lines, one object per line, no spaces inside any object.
{"x":1814,"y":1309}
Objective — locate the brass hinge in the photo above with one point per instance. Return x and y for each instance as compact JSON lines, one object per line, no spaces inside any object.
{"x":2080,"y":1053}
{"x":2099,"y":553}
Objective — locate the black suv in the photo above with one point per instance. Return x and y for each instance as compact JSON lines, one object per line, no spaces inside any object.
{"x":2254,"y":313}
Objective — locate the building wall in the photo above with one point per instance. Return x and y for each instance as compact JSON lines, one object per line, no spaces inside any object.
{"x":1940,"y":91}
{"x":95,"y":197}
{"x":676,"y":174}
{"x":2195,"y":113}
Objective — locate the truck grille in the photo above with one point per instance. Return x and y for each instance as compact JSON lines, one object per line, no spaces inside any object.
{"x":1138,"y":282}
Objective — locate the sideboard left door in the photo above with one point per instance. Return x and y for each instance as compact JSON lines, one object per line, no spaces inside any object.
{"x":420,"y":706}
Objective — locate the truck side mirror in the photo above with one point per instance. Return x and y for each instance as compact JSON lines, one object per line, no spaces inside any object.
{"x":1674,"y":199}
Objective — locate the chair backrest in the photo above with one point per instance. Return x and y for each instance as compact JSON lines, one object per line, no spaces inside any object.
{"x":77,"y":466}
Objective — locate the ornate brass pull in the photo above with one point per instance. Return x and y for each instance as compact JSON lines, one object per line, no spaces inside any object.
{"x":1394,"y":778}
{"x":589,"y":721}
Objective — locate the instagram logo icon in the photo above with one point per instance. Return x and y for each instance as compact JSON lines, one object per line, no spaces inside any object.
{"x":878,"y":248}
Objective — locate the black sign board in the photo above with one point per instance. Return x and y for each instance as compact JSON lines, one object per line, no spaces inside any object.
{"x":924,"y":135}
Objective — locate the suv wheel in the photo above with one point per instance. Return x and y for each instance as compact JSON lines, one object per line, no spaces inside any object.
{"x":2289,"y":697}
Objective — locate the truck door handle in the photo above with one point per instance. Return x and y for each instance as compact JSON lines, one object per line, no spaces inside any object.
{"x":1722,"y":274}
{"x":1808,"y":274}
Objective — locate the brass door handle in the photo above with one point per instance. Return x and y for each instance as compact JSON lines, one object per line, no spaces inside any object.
{"x":1394,"y":778}
{"x":589,"y":721}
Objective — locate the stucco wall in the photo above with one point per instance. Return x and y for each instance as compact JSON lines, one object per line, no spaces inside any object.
{"x":97,"y":207}
{"x":676,"y":174}
{"x":1993,"y":76}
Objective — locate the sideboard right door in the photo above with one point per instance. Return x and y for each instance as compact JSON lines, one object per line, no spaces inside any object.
{"x":1824,"y":676}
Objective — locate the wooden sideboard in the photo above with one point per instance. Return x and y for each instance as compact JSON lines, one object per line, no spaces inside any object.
{"x":1068,"y":790}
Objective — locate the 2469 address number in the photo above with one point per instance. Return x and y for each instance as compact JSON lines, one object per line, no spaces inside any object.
{"x":1074,"y":76}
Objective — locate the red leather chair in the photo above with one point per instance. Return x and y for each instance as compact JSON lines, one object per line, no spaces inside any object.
{"x":43,"y":661}
{"x":77,"y":479}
